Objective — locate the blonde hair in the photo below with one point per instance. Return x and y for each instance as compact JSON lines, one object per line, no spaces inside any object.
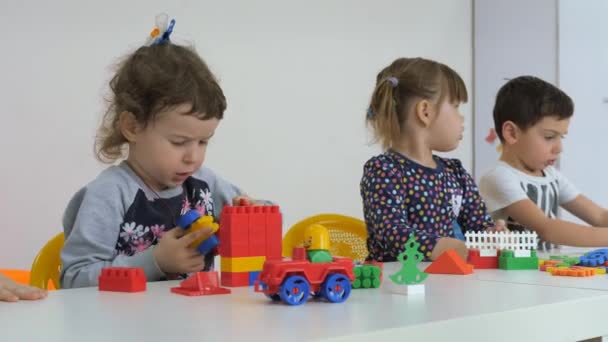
{"x":402,"y":82}
{"x":150,"y":80}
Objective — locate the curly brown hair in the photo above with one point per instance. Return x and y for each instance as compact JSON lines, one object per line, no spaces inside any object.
{"x":150,"y":80}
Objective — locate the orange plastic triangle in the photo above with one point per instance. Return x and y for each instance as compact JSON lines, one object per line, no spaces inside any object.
{"x":449,"y":263}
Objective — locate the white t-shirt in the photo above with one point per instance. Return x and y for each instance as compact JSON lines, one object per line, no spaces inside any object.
{"x":505,"y":185}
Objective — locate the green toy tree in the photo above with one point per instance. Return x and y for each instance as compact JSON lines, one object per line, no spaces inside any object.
{"x":409,"y":273}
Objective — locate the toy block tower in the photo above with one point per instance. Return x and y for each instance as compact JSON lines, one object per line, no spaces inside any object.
{"x":249,"y":235}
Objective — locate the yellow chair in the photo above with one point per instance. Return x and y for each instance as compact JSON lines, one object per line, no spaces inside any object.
{"x":347,"y":235}
{"x":47,"y":265}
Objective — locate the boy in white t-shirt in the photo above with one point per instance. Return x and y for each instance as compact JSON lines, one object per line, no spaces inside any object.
{"x":531,"y":118}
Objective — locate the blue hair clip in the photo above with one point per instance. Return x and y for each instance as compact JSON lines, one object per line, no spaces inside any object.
{"x":162,"y":32}
{"x":167,"y":34}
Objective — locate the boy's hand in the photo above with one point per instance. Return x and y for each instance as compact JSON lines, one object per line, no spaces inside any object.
{"x":173,"y":255}
{"x":11,"y":291}
{"x":499,"y":226}
{"x":245,"y":200}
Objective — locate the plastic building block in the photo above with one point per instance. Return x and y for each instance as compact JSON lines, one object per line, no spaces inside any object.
{"x":251,"y":231}
{"x":507,"y":261}
{"x":192,"y":221}
{"x":594,"y":258}
{"x":367,"y":276}
{"x":200,"y":284}
{"x":242,"y":264}
{"x":409,"y":273}
{"x":573,"y":272}
{"x":234,"y":279}
{"x":294,"y":280}
{"x":481,"y":262}
{"x":568,"y":260}
{"x":449,"y":263}
{"x":122,"y":279}
{"x":253,"y":276}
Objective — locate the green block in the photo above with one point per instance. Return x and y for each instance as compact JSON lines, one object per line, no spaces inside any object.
{"x":366,"y":276}
{"x":567,"y":260}
{"x":507,"y":261}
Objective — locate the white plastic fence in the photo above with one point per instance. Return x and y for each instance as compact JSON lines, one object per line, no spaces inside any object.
{"x":515,"y":241}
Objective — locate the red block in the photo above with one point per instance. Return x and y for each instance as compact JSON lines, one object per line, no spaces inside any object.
{"x":235,"y":279}
{"x":234,"y":232}
{"x":122,"y":279}
{"x":251,"y":231}
{"x":201,"y":284}
{"x":274,"y":233}
{"x":474,"y":258}
{"x":257,"y":231}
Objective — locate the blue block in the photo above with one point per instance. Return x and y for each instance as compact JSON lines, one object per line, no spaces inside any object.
{"x":207,"y":245}
{"x":188,"y":218}
{"x":253,"y":276}
{"x":595,"y":258}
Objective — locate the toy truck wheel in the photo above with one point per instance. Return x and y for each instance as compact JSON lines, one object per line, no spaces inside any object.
{"x":294,"y":290}
{"x":336,"y":288}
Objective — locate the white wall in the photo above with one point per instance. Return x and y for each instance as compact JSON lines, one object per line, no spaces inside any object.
{"x":583,"y":73}
{"x":297,"y":76}
{"x":511,"y":38}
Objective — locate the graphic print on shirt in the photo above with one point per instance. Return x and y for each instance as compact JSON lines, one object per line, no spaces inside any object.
{"x":147,"y":220}
{"x":546,"y":198}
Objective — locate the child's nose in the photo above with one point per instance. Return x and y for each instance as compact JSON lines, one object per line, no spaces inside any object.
{"x":557,"y":148}
{"x":189,"y":156}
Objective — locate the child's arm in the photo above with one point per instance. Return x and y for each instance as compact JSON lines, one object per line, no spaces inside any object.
{"x":92,"y":225}
{"x":557,"y":231}
{"x":473,"y":212}
{"x":588,"y":211}
{"x":385,"y":211}
{"x":503,"y":192}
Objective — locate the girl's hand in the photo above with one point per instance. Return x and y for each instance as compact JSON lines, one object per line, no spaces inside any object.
{"x":245,"y":200}
{"x":11,"y":291}
{"x":173,"y":255}
{"x":447,"y":243}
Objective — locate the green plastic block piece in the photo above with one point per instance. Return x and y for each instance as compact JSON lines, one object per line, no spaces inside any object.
{"x":507,"y":261}
{"x":366,"y":276}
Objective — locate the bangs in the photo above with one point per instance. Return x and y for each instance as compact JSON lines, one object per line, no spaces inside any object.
{"x":453,"y":86}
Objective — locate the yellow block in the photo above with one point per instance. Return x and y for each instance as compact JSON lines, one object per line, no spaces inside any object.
{"x":600,"y":271}
{"x":203,"y":222}
{"x":242,"y":264}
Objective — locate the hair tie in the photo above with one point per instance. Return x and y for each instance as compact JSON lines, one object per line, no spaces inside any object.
{"x":162,"y":31}
{"x":393,"y":81}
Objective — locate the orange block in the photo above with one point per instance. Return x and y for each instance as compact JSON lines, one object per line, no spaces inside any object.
{"x":449,"y":263}
{"x":573,"y":272}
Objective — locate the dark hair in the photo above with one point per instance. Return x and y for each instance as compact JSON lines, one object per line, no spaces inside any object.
{"x":399,"y":84}
{"x":150,"y":80}
{"x":525,"y":100}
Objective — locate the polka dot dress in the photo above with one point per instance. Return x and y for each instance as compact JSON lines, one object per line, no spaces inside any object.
{"x":401,"y":196}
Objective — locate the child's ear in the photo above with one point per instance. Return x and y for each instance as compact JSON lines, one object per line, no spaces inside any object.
{"x":128,"y":126}
{"x":510,"y":132}
{"x":424,"y":112}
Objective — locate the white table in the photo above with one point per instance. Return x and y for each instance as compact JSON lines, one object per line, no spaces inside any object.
{"x":457,"y":308}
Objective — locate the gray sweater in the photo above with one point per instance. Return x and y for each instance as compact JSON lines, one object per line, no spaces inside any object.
{"x":116,"y":221}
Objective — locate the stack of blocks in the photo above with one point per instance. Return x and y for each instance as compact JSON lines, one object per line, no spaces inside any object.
{"x":249,"y":235}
